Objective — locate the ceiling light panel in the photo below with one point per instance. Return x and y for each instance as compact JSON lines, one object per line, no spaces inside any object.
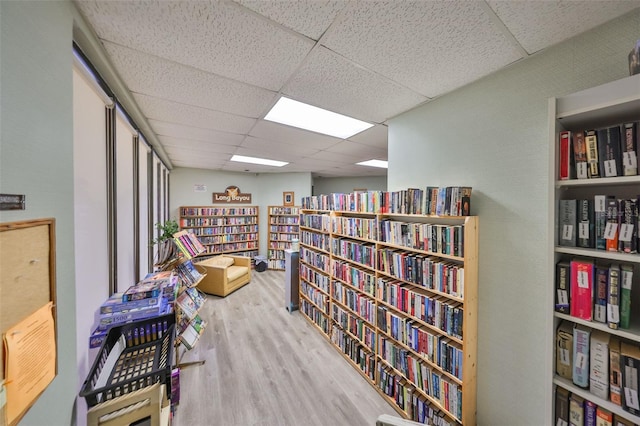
{"x":383,"y":164}
{"x":330,"y":81}
{"x":297,"y":114}
{"x":261,"y":161}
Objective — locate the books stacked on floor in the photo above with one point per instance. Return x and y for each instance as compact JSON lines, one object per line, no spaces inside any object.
{"x":433,"y":200}
{"x":606,"y":366}
{"x":153,"y":296}
{"x":607,"y":152}
{"x":602,"y":222}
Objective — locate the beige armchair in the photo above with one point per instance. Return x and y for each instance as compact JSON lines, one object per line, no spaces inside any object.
{"x":225,"y":274}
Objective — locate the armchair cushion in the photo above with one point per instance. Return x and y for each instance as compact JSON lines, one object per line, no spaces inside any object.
{"x":221,"y":261}
{"x":225,"y":274}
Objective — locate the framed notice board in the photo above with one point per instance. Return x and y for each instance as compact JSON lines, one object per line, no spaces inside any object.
{"x":27,"y":275}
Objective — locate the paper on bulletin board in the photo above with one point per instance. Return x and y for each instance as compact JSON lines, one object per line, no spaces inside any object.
{"x":30,"y":363}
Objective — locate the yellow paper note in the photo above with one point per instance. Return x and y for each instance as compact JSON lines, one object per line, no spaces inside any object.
{"x":30,"y":363}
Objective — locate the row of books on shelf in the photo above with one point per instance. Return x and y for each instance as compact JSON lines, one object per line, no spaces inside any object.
{"x":232,"y":247}
{"x":152,"y":296}
{"x":221,"y":230}
{"x":606,"y":152}
{"x":285,"y":220}
{"x":433,"y":200}
{"x":282,"y":210}
{"x":606,"y":365}
{"x":604,"y":223}
{"x":217,"y":221}
{"x":229,"y":238}
{"x":218,"y":211}
{"x":356,"y":326}
{"x":283,"y":235}
{"x":572,"y":409}
{"x":595,"y":291}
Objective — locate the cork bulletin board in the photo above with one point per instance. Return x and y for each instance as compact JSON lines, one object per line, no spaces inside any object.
{"x":27,"y":274}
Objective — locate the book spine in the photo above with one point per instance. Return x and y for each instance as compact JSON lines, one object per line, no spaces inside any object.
{"x":611,"y":230}
{"x":599,"y":364}
{"x":564,"y":351}
{"x":581,"y":338}
{"x":576,"y":410}
{"x":564,"y":169}
{"x":628,"y":215}
{"x":613,"y":301}
{"x":630,"y":378}
{"x":580,"y":155}
{"x":591,"y":142}
{"x":626,"y":280}
{"x":610,"y":158}
{"x":600,"y":212}
{"x":604,"y":417}
{"x":582,"y":276}
{"x":601,"y":295}
{"x":568,"y":223}
{"x":615,"y":372}
{"x":562,"y":406}
{"x":589,"y":413}
{"x":563,"y":271}
{"x":585,"y":224}
{"x":629,"y":148}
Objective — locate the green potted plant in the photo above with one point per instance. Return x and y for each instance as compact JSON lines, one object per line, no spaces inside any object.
{"x":166,"y":247}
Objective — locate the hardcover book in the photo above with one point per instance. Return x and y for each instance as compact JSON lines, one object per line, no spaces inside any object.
{"x":567,"y":223}
{"x":611,"y":229}
{"x":580,"y":155}
{"x":591,"y":141}
{"x":586,"y":224}
{"x":581,"y":341}
{"x":615,"y":372}
{"x":576,"y":410}
{"x":563,"y":297}
{"x":564,"y":350}
{"x":582,"y":276}
{"x":629,"y":149}
{"x":609,"y":154}
{"x":613,"y":301}
{"x":626,"y":280}
{"x":604,"y":417}
{"x":600,"y":211}
{"x":601,"y":294}
{"x":565,"y":169}
{"x":630,"y":358}
{"x":599,"y":364}
{"x":628,"y":214}
{"x":562,"y":406}
{"x":590,"y":413}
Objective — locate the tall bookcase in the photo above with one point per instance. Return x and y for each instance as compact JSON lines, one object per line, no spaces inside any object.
{"x":596,"y":108}
{"x":223,"y":229}
{"x":404,"y":316}
{"x":283,"y":229}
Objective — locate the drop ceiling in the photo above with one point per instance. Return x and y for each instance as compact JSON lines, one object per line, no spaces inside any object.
{"x":205,"y":73}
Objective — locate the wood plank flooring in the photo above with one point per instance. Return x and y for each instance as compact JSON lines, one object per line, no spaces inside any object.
{"x":265,"y":366}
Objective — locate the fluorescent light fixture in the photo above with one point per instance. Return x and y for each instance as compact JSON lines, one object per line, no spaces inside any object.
{"x":375,"y":163}
{"x":255,"y":160}
{"x":304,"y":116}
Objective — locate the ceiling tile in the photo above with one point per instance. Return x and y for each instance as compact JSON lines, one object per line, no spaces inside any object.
{"x":539,"y":24}
{"x":310,"y":18}
{"x":173,"y":112}
{"x":199,"y":164}
{"x":215,"y":36}
{"x":282,"y":151}
{"x":163,"y":128}
{"x":431,"y":47}
{"x":359,"y":151}
{"x":282,"y":133}
{"x":175,"y":145}
{"x":160,"y":78}
{"x":330,"y":81}
{"x":376,"y":136}
{"x":337,"y":158}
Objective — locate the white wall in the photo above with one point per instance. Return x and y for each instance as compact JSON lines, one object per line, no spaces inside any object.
{"x":36,"y":159}
{"x":348,"y":184}
{"x":265,"y":188}
{"x":495,"y":132}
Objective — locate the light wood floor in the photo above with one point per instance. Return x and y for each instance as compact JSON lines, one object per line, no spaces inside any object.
{"x":265,"y":366}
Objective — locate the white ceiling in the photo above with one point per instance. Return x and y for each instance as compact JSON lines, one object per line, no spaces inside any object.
{"x":205,"y":73}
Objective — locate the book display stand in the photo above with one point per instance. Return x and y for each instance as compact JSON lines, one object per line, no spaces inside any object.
{"x":594,"y":144}
{"x":396,"y":295}
{"x":283,"y":229}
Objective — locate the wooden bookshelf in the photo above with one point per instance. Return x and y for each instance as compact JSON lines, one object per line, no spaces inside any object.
{"x":600,"y":107}
{"x":223,"y":229}
{"x":283,"y":229}
{"x":349,"y":263}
